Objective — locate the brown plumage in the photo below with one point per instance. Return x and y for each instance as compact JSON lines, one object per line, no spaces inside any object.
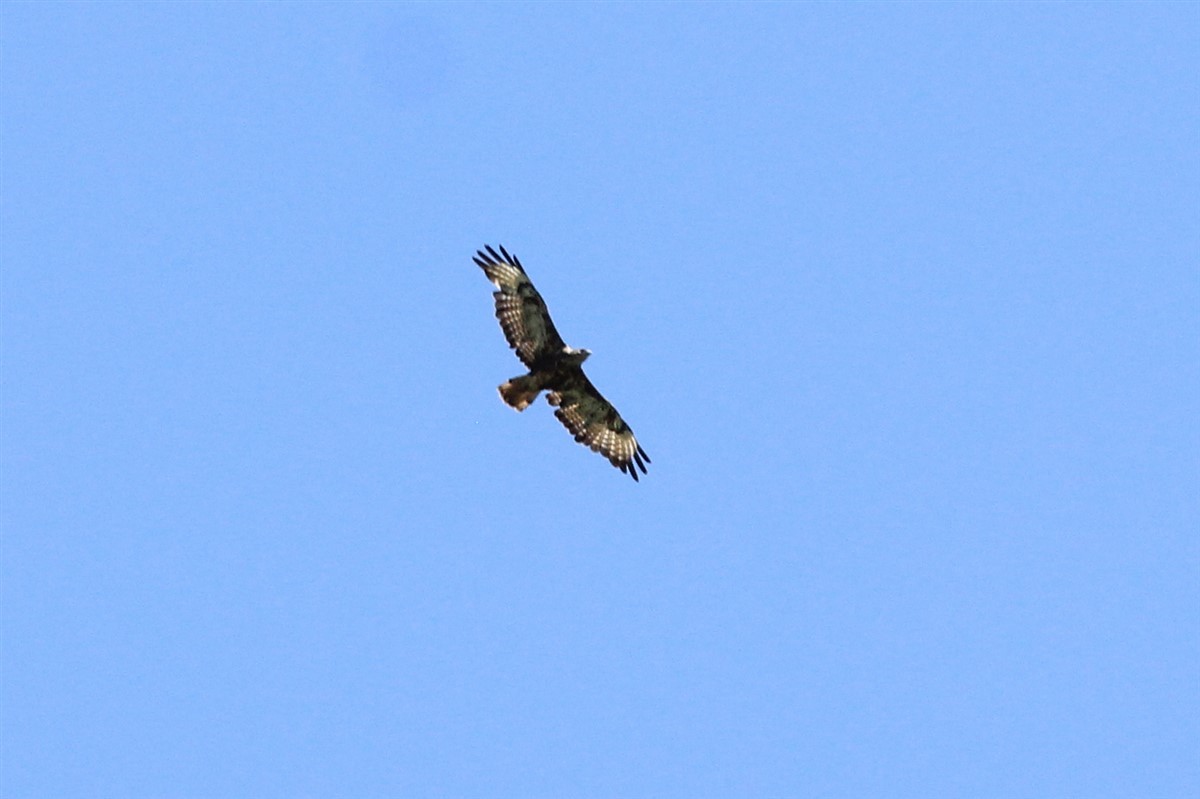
{"x":554,"y":367}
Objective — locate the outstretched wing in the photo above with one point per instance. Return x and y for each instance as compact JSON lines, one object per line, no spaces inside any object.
{"x":595,"y":422}
{"x":520,"y":309}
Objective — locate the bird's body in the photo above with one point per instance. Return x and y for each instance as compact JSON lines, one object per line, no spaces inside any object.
{"x":554,"y":367}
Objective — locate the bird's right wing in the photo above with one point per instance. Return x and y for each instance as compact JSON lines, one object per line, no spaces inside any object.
{"x":520,"y":309}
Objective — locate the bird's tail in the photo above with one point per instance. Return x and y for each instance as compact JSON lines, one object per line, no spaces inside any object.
{"x":519,"y":392}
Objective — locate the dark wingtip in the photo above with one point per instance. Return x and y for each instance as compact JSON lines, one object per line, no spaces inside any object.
{"x":511,"y":259}
{"x":491,"y":257}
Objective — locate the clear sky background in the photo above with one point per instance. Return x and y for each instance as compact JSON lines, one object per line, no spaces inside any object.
{"x":902,"y":300}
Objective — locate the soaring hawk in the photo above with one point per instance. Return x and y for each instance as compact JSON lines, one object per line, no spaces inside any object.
{"x":555,"y":367}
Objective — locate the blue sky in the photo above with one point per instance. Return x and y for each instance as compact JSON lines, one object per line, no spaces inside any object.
{"x":902,"y":300}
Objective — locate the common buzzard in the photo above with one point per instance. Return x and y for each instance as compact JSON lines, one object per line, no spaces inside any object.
{"x":555,"y":367}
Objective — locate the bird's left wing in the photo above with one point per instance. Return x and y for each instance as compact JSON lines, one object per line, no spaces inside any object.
{"x":595,"y":423}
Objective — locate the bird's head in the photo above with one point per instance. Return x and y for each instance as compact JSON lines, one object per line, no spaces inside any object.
{"x":576,"y":356}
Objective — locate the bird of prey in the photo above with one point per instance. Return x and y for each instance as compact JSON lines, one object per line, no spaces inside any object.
{"x":555,"y":367}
